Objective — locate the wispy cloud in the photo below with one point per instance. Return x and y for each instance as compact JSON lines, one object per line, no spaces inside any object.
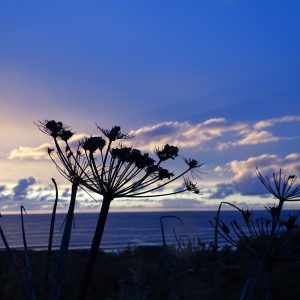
{"x":251,"y":138}
{"x":212,"y":134}
{"x":34,"y":153}
{"x":40,"y":152}
{"x":274,"y":121}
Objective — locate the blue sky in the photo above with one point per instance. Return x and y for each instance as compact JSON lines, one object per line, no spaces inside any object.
{"x":225,"y":70}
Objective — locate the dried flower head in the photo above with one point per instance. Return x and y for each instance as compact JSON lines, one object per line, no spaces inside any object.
{"x":247,"y":214}
{"x":281,"y":186}
{"x":273,"y":210}
{"x":92,"y":143}
{"x":192,"y":163}
{"x":290,"y":224}
{"x":51,"y":127}
{"x":114,"y":133}
{"x":122,"y":153}
{"x":167,"y":152}
{"x":164,"y":173}
{"x":141,"y":161}
{"x":65,"y":135}
{"x":190,"y":186}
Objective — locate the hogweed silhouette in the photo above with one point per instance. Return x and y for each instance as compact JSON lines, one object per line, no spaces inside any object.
{"x":97,"y":165}
{"x":265,"y":238}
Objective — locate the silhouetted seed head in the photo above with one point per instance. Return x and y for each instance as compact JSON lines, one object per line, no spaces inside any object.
{"x":53,"y":128}
{"x":167,"y":152}
{"x":273,"y":210}
{"x":114,"y":133}
{"x":164,"y":173}
{"x":290,"y":224}
{"x":246,"y":215}
{"x":135,"y":155}
{"x":141,"y":160}
{"x":123,"y":154}
{"x":192,"y":163}
{"x":152,"y":169}
{"x":281,"y":187}
{"x":190,"y":186}
{"x":50,"y":150}
{"x":92,"y":143}
{"x":65,"y":135}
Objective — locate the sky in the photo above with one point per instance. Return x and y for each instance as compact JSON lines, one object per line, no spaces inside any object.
{"x":219,"y":79}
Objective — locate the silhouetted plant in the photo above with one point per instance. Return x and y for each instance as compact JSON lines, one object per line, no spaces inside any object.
{"x":113,"y":172}
{"x":162,"y":228}
{"x":22,"y":282}
{"x":49,"y":252}
{"x":265,"y":238}
{"x":26,"y":258}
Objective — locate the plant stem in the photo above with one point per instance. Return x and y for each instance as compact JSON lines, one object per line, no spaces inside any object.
{"x":64,"y":246}
{"x":94,"y":247}
{"x":50,"y":236}
{"x":26,"y":256}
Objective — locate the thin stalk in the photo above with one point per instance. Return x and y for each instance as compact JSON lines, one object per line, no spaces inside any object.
{"x":217,"y":221}
{"x":26,"y":257}
{"x":104,"y":161}
{"x":119,"y":182}
{"x":64,"y":246}
{"x":51,"y":235}
{"x":94,"y":247}
{"x":139,"y":185}
{"x":162,"y":226}
{"x":156,"y":195}
{"x":162,"y":185}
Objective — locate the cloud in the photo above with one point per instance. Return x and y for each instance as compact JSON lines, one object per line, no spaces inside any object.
{"x":245,"y":181}
{"x":272,"y":122}
{"x":21,"y":189}
{"x":66,"y":193}
{"x":222,"y":191}
{"x":212,"y":134}
{"x":2,"y":188}
{"x":251,"y":138}
{"x":258,"y":137}
{"x":184,"y":134}
{"x":34,"y":153}
{"x":180,"y":203}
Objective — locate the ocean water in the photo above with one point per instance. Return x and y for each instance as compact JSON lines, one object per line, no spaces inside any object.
{"x":122,"y":229}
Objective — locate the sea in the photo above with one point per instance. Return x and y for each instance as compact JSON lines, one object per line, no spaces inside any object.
{"x":123,"y":229}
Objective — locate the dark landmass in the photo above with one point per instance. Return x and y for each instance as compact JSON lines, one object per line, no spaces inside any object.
{"x":152,"y":273}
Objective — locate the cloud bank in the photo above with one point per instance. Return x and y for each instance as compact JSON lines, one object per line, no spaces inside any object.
{"x":245,"y":181}
{"x":217,"y":134}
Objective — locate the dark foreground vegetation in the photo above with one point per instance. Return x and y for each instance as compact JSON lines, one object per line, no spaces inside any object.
{"x":153,"y":273}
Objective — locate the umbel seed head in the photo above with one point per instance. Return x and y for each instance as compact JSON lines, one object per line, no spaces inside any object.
{"x":93,"y":143}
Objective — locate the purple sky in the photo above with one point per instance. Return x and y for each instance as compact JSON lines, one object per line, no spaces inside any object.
{"x":220,"y":79}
